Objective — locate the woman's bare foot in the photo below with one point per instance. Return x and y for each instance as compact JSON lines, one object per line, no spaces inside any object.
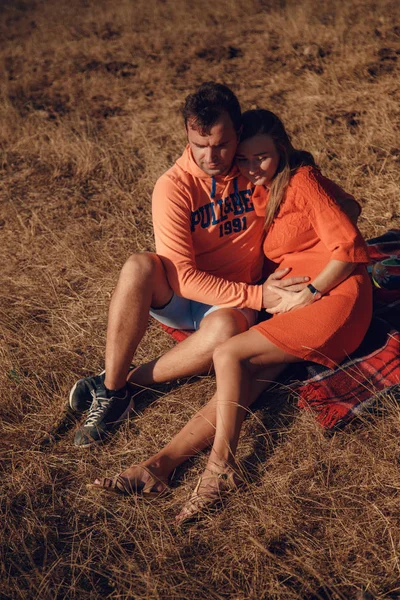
{"x":216,"y":482}
{"x":138,"y":479}
{"x":138,"y":476}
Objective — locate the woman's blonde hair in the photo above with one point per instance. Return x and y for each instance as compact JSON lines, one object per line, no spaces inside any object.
{"x":265,"y":122}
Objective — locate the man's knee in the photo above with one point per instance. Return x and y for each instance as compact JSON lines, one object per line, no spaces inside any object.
{"x":223,"y":324}
{"x":141,"y":266}
{"x":145,"y":274}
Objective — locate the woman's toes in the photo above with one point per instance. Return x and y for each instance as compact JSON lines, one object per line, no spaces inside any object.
{"x":158,"y":487}
{"x":182,"y":516}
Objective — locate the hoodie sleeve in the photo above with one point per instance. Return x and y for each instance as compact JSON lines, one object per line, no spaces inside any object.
{"x":171,"y":222}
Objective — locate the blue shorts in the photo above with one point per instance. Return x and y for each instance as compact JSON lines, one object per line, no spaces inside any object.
{"x":181,"y":313}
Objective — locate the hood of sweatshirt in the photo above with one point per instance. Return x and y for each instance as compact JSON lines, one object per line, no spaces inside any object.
{"x":187,"y":163}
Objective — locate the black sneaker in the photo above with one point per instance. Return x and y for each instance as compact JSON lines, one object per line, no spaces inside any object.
{"x":108,"y":410}
{"x":82,"y":394}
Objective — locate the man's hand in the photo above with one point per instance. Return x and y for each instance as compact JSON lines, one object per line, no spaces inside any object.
{"x":293,"y":284}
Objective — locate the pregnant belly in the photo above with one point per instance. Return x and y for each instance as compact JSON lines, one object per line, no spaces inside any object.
{"x":307,"y":264}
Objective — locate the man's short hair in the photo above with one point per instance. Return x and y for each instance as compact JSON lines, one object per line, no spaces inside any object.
{"x":203,"y":108}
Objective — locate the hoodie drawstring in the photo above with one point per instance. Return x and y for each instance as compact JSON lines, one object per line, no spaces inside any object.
{"x":236,"y":187}
{"x":213,"y":188}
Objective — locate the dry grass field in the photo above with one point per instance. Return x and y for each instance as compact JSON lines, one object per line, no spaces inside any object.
{"x":89,"y":118}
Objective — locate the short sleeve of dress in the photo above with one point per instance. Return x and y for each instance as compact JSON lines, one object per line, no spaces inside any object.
{"x":332,"y":225}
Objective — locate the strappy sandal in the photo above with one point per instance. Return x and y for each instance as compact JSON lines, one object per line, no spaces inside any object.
{"x":123,"y":487}
{"x":197,"y":504}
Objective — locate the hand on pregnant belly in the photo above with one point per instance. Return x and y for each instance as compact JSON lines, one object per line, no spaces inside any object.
{"x":291,"y":300}
{"x":277,"y":280}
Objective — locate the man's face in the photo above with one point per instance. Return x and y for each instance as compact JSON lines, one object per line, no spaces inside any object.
{"x":214,"y":151}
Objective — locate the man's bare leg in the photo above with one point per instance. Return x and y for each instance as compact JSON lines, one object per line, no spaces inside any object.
{"x":193,"y":356}
{"x":142,"y":284}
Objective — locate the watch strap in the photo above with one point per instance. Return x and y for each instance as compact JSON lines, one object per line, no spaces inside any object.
{"x":313,"y":289}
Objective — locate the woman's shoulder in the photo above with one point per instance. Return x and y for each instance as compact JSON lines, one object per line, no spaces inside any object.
{"x":307,"y":175}
{"x":304,"y":185}
{"x":310,"y":182}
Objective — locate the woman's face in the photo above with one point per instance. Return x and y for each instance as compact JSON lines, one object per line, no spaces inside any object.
{"x":258,"y":159}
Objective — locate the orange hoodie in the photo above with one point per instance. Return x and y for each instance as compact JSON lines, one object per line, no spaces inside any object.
{"x":208,"y":235}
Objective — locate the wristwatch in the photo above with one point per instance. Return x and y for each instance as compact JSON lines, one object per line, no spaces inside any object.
{"x":313,"y":290}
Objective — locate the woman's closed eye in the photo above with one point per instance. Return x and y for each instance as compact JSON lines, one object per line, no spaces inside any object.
{"x":243,"y":160}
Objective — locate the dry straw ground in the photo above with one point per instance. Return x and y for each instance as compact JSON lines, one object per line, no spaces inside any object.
{"x":90,"y":102}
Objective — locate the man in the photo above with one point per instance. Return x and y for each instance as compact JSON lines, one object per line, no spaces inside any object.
{"x":204,"y":276}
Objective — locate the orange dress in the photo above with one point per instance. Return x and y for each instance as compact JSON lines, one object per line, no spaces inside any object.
{"x":308,"y":232}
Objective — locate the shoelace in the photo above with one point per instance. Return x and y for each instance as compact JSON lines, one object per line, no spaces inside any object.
{"x":99,"y":406}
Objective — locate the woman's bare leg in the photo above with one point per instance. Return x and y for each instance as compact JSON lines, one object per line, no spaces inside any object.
{"x":237,"y":362}
{"x":196,"y":435}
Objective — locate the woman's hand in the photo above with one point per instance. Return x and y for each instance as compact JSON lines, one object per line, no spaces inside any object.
{"x":291,"y":300}
{"x":275,"y":281}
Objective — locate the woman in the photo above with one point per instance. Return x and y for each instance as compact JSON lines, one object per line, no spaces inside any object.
{"x":324,"y":323}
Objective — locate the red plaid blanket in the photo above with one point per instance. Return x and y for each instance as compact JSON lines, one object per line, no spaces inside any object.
{"x":339,"y":395}
{"x":336,"y":396}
